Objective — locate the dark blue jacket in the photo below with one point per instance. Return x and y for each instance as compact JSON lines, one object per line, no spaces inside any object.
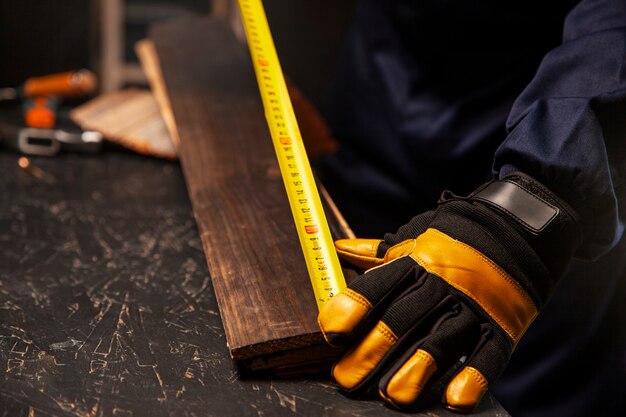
{"x":429,"y":91}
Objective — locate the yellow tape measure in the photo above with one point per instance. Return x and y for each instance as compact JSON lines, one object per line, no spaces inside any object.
{"x":313,"y":231}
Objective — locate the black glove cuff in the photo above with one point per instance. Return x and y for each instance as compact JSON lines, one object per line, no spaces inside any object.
{"x":548,"y":223}
{"x":532,"y":212}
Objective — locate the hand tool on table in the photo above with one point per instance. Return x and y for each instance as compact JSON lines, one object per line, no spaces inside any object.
{"x":313,"y":232}
{"x":41,"y":112}
{"x":48,"y":142}
{"x":42,"y":95}
{"x":64,"y":84}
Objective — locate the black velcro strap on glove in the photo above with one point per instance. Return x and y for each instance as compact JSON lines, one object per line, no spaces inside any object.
{"x":534,"y":232}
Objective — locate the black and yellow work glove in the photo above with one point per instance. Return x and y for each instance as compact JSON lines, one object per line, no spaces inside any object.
{"x":463,"y":281}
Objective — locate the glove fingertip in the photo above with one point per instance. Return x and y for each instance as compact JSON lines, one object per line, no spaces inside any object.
{"x":465,"y":390}
{"x":341,"y":315}
{"x":406,"y":384}
{"x":357,"y":365}
{"x":359,"y":252}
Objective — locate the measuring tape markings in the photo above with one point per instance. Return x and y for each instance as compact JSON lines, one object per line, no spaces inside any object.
{"x":313,"y":232}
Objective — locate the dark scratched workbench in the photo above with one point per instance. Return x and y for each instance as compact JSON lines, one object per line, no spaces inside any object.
{"x":107,"y":308}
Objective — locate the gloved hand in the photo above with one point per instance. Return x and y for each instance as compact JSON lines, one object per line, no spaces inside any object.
{"x":465,"y":280}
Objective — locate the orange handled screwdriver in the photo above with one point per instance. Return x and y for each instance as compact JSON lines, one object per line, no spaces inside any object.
{"x":64,"y":84}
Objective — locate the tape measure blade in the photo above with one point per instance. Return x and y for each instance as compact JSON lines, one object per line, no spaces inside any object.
{"x":312,"y":227}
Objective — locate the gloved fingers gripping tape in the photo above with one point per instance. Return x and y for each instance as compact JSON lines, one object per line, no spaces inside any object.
{"x":418,"y":285}
{"x":488,"y":253}
{"x":352,"y":312}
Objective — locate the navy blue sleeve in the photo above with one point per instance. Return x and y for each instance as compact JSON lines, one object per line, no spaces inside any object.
{"x":559,"y":129}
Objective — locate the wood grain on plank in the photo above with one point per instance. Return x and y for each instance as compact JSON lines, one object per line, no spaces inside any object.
{"x":238,"y":196}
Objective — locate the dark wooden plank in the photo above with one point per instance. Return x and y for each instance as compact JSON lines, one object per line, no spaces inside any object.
{"x":107,"y":309}
{"x":239,"y":201}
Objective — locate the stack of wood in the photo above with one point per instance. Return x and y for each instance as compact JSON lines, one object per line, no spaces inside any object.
{"x":131,"y":118}
{"x":204,"y":82}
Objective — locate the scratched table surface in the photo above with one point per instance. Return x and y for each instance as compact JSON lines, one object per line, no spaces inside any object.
{"x":107,"y":308}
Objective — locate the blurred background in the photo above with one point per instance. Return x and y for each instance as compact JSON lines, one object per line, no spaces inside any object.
{"x":43,"y":37}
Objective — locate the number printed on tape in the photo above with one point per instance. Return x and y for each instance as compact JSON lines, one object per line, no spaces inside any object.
{"x":313,"y":232}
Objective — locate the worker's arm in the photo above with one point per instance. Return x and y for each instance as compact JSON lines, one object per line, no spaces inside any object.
{"x":467,"y":279}
{"x":560,"y":126}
